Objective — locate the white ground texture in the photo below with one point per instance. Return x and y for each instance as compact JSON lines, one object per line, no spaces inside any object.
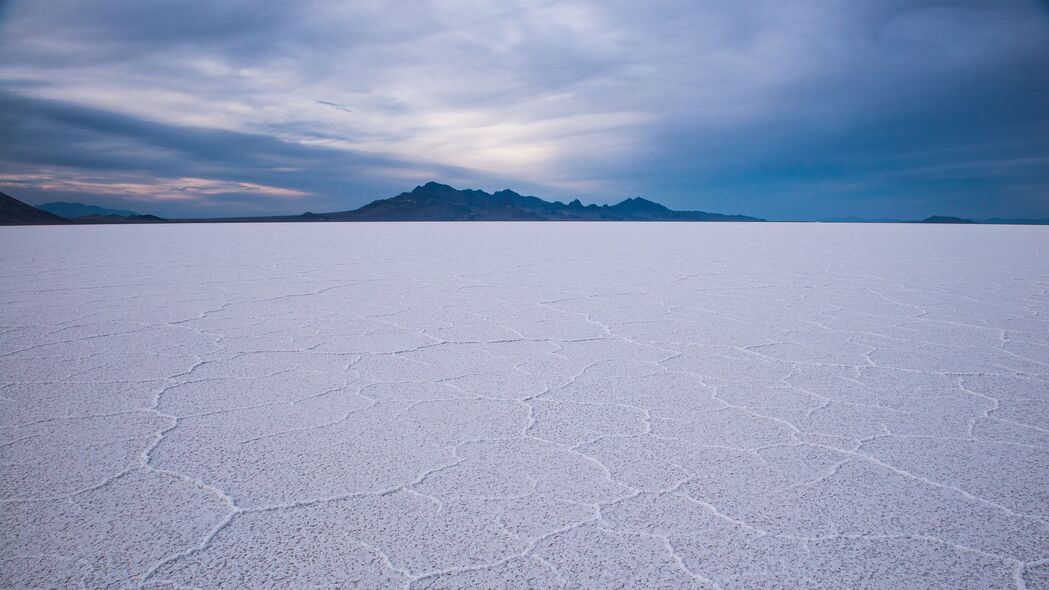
{"x":534,"y":405}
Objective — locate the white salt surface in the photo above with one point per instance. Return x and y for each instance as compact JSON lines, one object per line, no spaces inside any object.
{"x":524,"y":406}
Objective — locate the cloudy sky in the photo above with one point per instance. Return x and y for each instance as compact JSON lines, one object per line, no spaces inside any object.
{"x":786,"y":110}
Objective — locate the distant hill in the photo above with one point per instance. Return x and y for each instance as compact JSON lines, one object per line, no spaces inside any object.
{"x":937,"y":219}
{"x":15,"y":212}
{"x":440,"y":202}
{"x":71,"y":210}
{"x":944,"y":219}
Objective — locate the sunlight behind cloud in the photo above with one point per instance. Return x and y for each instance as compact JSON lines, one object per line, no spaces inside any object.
{"x":155,"y":189}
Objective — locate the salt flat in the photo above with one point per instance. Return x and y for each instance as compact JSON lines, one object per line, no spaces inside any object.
{"x":524,"y":406}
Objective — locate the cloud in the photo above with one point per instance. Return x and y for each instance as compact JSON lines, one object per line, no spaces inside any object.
{"x":336,"y":105}
{"x":758,"y":107}
{"x":151,"y":189}
{"x":66,"y":148}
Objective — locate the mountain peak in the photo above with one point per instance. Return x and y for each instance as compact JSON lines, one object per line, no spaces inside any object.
{"x":638,"y":204}
{"x":432,"y":186}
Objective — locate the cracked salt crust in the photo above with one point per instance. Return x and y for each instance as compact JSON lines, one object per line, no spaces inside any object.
{"x":534,"y":405}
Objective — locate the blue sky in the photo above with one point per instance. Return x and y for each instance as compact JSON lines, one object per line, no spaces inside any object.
{"x":785,"y":110}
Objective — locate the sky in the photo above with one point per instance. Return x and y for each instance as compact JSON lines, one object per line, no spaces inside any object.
{"x":808,"y":109}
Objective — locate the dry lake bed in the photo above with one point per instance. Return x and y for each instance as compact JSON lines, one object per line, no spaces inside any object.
{"x":524,"y":405}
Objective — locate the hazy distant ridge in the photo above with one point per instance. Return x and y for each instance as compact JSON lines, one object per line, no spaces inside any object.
{"x":69,"y":210}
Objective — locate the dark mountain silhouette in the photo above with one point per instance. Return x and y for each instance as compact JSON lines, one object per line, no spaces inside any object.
{"x":71,"y":210}
{"x":440,"y":202}
{"x":15,"y":212}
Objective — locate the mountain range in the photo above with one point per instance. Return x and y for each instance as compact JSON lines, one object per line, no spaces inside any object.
{"x":440,"y":202}
{"x":429,"y":202}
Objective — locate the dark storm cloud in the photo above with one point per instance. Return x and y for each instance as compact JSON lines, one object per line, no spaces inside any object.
{"x":884,"y":108}
{"x":37,"y":124}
